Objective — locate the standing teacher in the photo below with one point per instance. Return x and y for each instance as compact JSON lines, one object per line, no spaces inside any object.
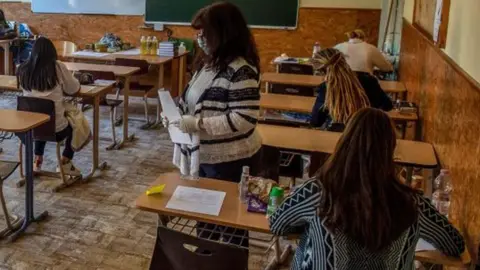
{"x":220,"y":107}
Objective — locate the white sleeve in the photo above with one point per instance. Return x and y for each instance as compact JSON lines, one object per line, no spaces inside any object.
{"x":70,"y":85}
{"x":379,"y":60}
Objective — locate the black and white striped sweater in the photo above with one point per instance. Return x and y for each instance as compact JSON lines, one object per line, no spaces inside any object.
{"x":229,"y":108}
{"x":322,"y":249}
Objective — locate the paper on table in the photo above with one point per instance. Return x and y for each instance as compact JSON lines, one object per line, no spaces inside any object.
{"x":197,"y":200}
{"x":89,"y":54}
{"x":135,"y":51}
{"x":103,"y":82}
{"x":170,"y":111}
{"x":423,"y":245}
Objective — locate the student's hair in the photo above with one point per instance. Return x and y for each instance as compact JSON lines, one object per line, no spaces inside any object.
{"x":39,"y":72}
{"x":357,"y":33}
{"x":363,"y":197}
{"x":345,"y":95}
{"x":227,"y":36}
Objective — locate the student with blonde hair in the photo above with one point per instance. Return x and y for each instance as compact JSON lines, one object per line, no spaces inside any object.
{"x":344,"y":92}
{"x":362,"y":56}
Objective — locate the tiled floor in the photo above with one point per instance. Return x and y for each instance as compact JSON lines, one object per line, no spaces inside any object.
{"x":93,"y":225}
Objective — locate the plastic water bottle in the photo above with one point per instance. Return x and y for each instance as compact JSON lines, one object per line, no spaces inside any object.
{"x":316,"y":48}
{"x":143,"y":45}
{"x":443,"y":188}
{"x":149,"y":46}
{"x":154,"y":46}
{"x":243,"y":185}
{"x":275,"y":199}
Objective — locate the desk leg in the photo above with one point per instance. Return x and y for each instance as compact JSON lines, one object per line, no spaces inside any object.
{"x":6,"y":60}
{"x":161,"y":86}
{"x":96,"y":135}
{"x":267,"y":87}
{"x":29,"y":212}
{"x":126,"y":95}
{"x":182,"y":74}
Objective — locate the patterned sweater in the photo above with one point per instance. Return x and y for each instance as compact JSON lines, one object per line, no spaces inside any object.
{"x":322,"y":249}
{"x":229,"y":108}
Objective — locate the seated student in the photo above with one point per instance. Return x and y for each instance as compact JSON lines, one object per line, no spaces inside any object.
{"x":344,"y":92}
{"x":355,"y":214}
{"x":361,"y":56}
{"x":42,"y":76}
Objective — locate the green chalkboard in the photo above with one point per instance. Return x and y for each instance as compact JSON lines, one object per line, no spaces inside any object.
{"x":259,"y":13}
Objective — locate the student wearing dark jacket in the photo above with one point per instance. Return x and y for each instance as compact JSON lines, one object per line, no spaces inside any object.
{"x":344,"y":92}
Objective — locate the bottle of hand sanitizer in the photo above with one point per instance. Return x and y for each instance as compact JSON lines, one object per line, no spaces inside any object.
{"x":182,"y":49}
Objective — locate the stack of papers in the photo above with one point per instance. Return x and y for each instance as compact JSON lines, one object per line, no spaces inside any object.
{"x":197,"y":200}
{"x":90,"y":54}
{"x":166,"y":49}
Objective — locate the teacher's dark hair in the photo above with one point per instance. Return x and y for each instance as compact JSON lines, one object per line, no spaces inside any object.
{"x":39,"y":72}
{"x":227,"y":36}
{"x":364,"y":199}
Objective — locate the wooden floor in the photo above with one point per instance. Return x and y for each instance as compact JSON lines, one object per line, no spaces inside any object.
{"x":94,"y":225}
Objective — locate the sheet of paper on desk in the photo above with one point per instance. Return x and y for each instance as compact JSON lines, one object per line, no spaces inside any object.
{"x":423,"y":245}
{"x":89,"y":54}
{"x":197,"y":200}
{"x":170,"y":111}
{"x":129,"y":52}
{"x":103,"y":83}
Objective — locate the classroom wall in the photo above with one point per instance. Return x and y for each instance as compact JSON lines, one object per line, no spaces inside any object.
{"x":463,"y":36}
{"x":449,"y":108}
{"x":326,"y":25}
{"x":375,"y":4}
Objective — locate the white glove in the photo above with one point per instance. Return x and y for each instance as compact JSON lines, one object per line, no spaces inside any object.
{"x":188,"y":124}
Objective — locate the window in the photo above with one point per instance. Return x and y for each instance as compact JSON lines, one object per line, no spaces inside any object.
{"x":431,"y":18}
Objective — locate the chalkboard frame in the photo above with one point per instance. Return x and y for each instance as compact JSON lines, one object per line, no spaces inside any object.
{"x":251,"y":26}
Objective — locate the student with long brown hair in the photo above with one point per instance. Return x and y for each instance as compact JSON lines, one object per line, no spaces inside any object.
{"x":343,"y":93}
{"x":355,"y":214}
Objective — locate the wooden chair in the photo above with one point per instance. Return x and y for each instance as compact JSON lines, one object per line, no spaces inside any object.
{"x":107,"y":102}
{"x":45,"y":132}
{"x":64,"y":47}
{"x":136,"y":86}
{"x":178,"y":251}
{"x":12,"y":222}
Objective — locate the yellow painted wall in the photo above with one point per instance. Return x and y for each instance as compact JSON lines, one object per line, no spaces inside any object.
{"x":408,"y":10}
{"x":376,"y":4}
{"x":463,"y":37}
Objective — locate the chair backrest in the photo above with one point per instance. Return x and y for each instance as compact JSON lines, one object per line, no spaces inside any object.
{"x":293,"y":68}
{"x":173,"y":251}
{"x":142,"y":64}
{"x":45,"y":132}
{"x":64,"y":47}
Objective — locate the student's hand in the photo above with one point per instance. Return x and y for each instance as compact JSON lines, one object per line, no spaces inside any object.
{"x":188,"y":124}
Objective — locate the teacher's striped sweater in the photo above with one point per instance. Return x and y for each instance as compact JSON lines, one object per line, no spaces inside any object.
{"x":229,"y":108}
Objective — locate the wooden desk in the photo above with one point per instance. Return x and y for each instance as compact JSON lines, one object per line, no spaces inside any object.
{"x":86,"y":91}
{"x":409,"y":153}
{"x":25,"y":122}
{"x":302,"y":104}
{"x":178,"y":68}
{"x":392,"y":87}
{"x":234,"y":213}
{"x":119,"y":71}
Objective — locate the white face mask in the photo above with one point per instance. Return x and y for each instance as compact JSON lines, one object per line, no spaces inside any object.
{"x":202,"y":43}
